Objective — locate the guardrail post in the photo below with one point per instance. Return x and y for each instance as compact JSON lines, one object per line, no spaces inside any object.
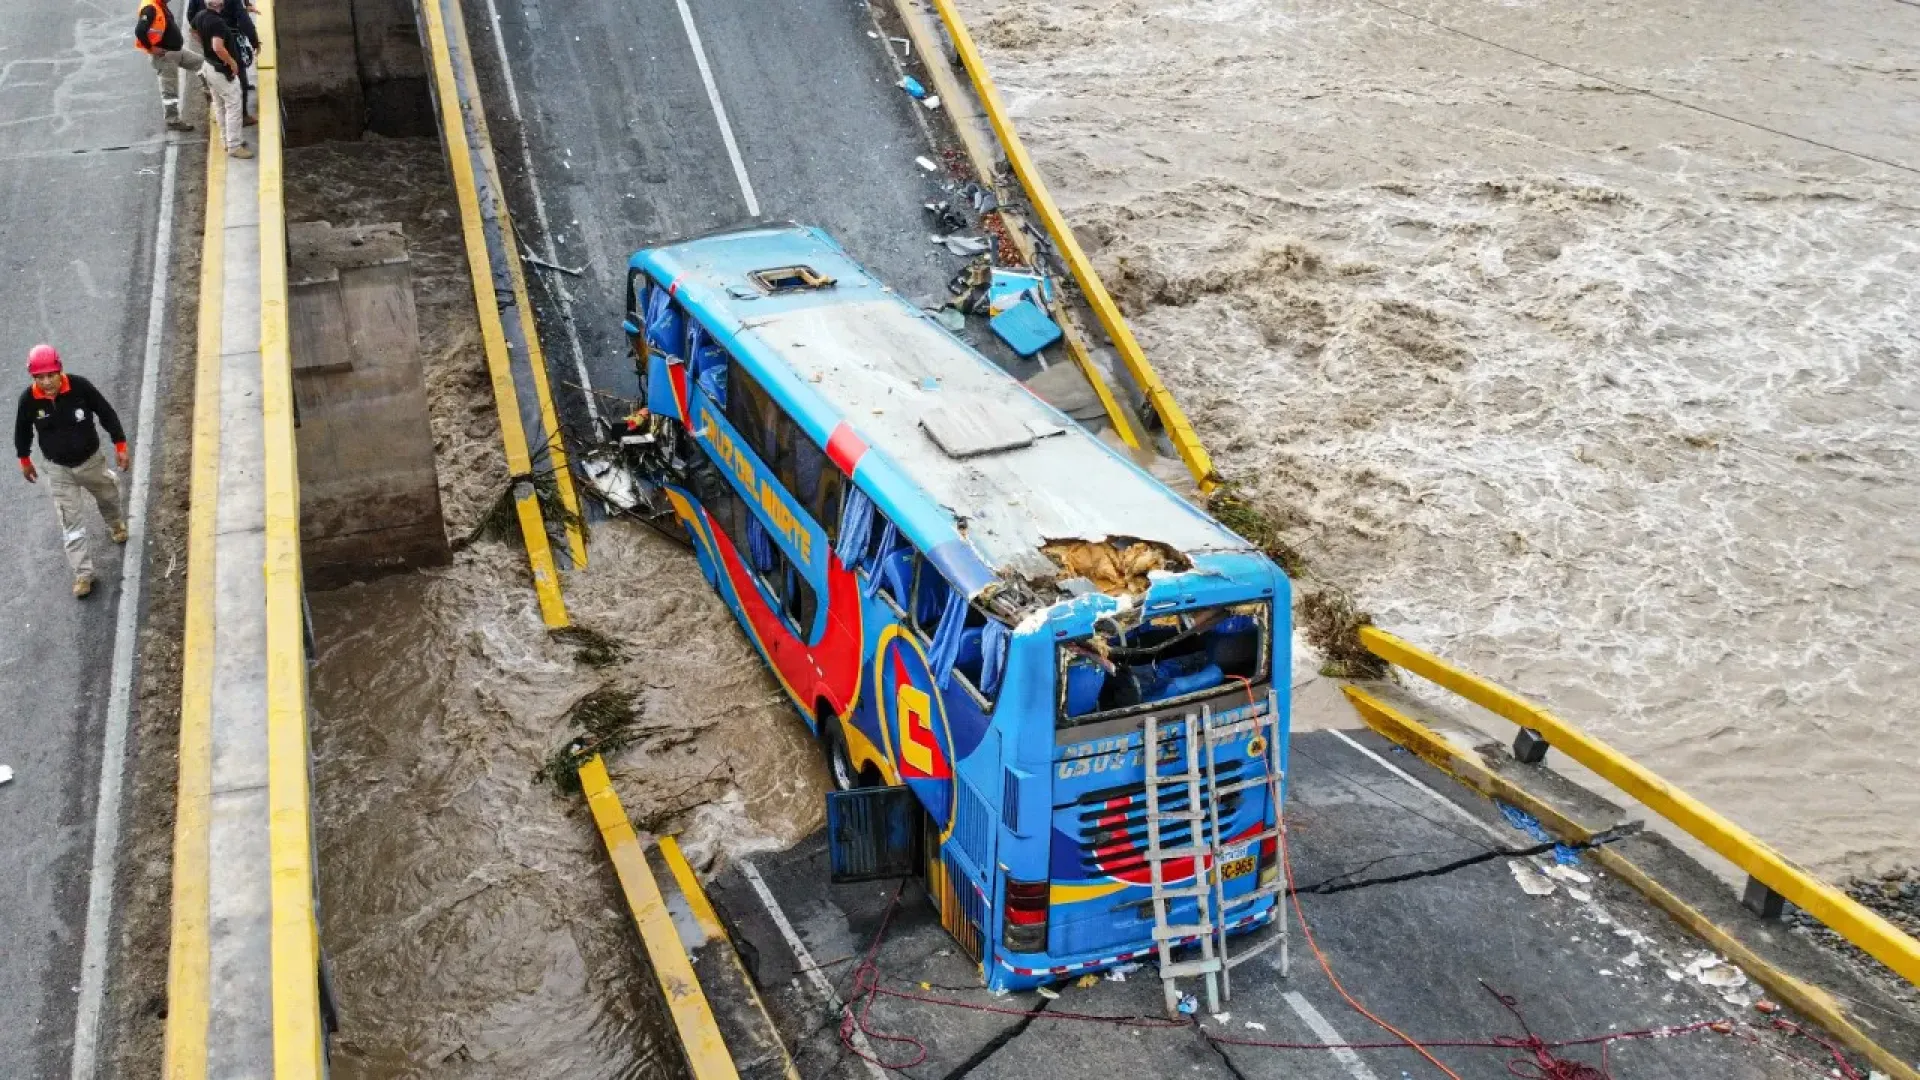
{"x":1529,"y":747}
{"x":1760,"y":898}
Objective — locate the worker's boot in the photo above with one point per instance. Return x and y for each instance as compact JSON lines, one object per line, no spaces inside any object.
{"x":175,"y":122}
{"x":82,"y":586}
{"x":119,"y":532}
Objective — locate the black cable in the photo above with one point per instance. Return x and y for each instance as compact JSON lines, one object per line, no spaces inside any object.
{"x":1630,"y":88}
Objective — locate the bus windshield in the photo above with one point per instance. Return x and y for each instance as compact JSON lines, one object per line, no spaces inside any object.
{"x":1162,"y":661}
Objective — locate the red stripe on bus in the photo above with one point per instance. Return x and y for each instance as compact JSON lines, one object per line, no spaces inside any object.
{"x":845,"y":447}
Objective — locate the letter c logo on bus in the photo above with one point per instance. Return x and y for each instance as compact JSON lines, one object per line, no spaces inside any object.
{"x":914,"y":724}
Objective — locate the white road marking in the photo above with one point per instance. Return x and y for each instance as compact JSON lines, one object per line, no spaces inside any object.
{"x":1414,"y":782}
{"x":113,"y":753}
{"x":719,"y":111}
{"x":540,"y":213}
{"x":1326,"y":1034}
{"x":814,"y":974}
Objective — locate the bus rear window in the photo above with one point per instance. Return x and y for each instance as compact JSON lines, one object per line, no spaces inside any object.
{"x":1182,"y":656}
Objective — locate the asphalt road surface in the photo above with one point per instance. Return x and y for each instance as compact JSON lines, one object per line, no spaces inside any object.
{"x":617,"y":105}
{"x":81,"y":151}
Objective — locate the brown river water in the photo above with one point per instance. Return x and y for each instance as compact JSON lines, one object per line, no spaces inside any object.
{"x":1614,"y":400}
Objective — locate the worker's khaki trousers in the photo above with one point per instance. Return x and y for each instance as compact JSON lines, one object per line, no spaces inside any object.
{"x":70,"y":490}
{"x":224,"y":89}
{"x":167,"y":67}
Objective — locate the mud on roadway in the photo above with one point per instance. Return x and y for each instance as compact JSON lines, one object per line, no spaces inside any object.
{"x":472,"y":922}
{"x":1603,"y":395}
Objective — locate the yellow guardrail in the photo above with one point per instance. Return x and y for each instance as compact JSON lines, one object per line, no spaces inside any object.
{"x":706,"y":1051}
{"x":1838,"y":911}
{"x":1172,"y":418}
{"x":513,"y":436}
{"x":298,"y":1053}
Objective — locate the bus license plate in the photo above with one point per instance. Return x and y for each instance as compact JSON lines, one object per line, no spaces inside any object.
{"x":1233,"y":868}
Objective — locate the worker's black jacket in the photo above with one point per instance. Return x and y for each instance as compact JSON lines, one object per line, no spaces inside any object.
{"x":64,"y":422}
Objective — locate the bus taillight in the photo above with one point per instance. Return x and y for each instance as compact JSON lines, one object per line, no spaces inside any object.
{"x":1025,"y":929}
{"x":1269,"y":859}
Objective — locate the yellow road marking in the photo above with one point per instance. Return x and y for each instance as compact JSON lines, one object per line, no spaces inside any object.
{"x":1840,"y":912}
{"x":706,"y":1052}
{"x":297,"y":1048}
{"x":546,"y":579}
{"x":184,"y":1056}
{"x":1179,"y":430}
{"x":1806,"y":999}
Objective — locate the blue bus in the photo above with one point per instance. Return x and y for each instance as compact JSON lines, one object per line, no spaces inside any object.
{"x":977,"y":606}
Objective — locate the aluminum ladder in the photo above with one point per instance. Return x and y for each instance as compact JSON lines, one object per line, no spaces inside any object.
{"x":1200,"y":738}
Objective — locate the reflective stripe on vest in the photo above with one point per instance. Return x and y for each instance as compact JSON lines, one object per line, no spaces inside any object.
{"x":156,"y":31}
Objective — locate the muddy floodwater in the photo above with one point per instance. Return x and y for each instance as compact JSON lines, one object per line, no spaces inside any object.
{"x":1609,"y":397}
{"x":472,"y":923}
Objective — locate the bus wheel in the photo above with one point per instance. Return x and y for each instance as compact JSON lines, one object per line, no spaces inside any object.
{"x":840,"y":767}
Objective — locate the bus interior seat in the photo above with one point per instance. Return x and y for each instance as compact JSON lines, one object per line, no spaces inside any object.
{"x":1181,"y":685}
{"x":1234,"y":645}
{"x":967,"y":661}
{"x":896,"y":573}
{"x":1084,"y":683}
{"x":932,"y":599}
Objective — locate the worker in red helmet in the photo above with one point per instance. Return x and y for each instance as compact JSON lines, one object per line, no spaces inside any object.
{"x":62,"y":410}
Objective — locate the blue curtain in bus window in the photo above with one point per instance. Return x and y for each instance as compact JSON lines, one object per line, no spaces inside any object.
{"x":666,"y":326}
{"x":709,"y":364}
{"x":856,"y":527}
{"x":993,"y":655}
{"x":889,"y":539}
{"x":946,"y":636}
{"x":759,"y":545}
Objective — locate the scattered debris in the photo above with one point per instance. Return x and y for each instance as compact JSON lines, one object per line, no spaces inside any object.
{"x":945,"y":216}
{"x":1238,"y":513}
{"x":1766,"y":1006}
{"x":952,"y":318}
{"x":1532,"y":881}
{"x":912,"y":86}
{"x":962,"y":245}
{"x":6,"y":774}
{"x":1189,"y":1005}
{"x":926,"y":163}
{"x":1710,"y":970}
{"x":1025,"y":327}
{"x":571,"y":271}
{"x":1118,"y":565}
{"x":1009,"y":287}
{"x":1049,"y":993}
{"x":931,"y":101}
{"x":1567,"y":873}
{"x":605,"y":719}
{"x":1085,"y":981}
{"x":1119,"y":972}
{"x":1631,"y":960}
{"x":1255,"y":1025}
{"x":594,"y":649}
{"x":1223,"y":1019}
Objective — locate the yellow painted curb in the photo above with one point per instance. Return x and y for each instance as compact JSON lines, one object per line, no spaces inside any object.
{"x":1804,"y":998}
{"x":537,"y":359}
{"x":297,"y":1039}
{"x":706,"y":1052}
{"x":184,"y":1053}
{"x":710,"y":924}
{"x":546,"y":578}
{"x":1179,"y":430}
{"x":1874,"y":935}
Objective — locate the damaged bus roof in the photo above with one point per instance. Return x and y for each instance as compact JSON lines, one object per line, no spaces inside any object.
{"x":1010,"y":472}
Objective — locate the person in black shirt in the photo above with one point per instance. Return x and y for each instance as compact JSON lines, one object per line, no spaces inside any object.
{"x":223,"y":73}
{"x":156,"y":34}
{"x":61,"y":410}
{"x":239,"y":15}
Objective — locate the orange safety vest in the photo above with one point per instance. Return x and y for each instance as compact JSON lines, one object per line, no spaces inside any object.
{"x":156,"y":30}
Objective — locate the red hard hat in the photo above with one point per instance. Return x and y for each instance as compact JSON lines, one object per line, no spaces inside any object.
{"x":43,"y":360}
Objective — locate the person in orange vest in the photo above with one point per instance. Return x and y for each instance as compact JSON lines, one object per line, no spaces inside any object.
{"x":157,"y":34}
{"x":61,"y":410}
